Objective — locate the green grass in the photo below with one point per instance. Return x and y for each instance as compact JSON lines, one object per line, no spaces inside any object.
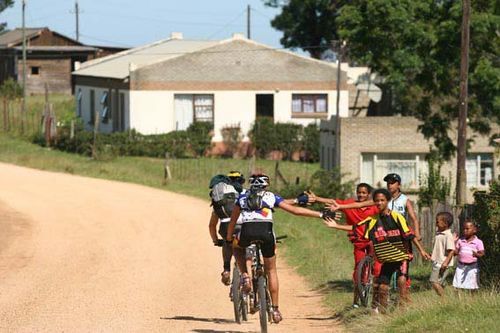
{"x":322,"y":255}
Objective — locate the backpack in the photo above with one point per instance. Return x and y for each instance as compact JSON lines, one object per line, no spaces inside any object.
{"x":223,"y":194}
{"x":254,"y":199}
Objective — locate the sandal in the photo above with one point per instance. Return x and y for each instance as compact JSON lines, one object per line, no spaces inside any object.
{"x":225,"y":278}
{"x":276,"y":315}
{"x":245,"y":284}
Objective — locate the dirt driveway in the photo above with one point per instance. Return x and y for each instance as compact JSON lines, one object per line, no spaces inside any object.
{"x":87,"y":255}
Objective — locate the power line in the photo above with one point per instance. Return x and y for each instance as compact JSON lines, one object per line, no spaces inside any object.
{"x":106,"y":41}
{"x":228,"y":24}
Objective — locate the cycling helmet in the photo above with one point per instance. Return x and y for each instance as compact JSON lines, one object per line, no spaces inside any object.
{"x":259,"y":181}
{"x":236,"y":176}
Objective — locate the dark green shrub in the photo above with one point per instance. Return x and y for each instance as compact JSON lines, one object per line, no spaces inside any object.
{"x":311,"y":143}
{"x":231,"y":136}
{"x":200,"y":138}
{"x":434,"y":186}
{"x":487,"y":215}
{"x":263,"y":136}
{"x":287,"y":138}
{"x":324,"y":183}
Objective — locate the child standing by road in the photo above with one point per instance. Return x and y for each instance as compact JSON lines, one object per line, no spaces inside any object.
{"x":444,"y":244}
{"x":468,"y":248}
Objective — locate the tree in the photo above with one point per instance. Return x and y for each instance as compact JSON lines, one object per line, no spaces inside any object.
{"x":415,"y":46}
{"x":307,"y":24}
{"x":4,"y":4}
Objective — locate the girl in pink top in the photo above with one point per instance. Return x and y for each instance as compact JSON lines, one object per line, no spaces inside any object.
{"x":468,"y":248}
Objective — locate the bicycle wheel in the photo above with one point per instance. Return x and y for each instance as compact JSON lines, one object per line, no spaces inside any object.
{"x":364,"y":280}
{"x":262,"y":295}
{"x":236,"y":295}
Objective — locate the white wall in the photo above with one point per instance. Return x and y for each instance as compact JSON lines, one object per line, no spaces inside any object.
{"x":152,"y":112}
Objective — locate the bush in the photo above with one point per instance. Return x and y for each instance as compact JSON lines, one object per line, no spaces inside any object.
{"x":324,"y":183}
{"x":487,"y":216}
{"x":191,"y":143}
{"x":285,"y":137}
{"x":311,"y":143}
{"x":434,"y":186}
{"x":231,"y":136}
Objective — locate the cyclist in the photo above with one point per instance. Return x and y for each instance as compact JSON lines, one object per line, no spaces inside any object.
{"x":353,"y":216}
{"x":227,"y":249}
{"x":391,"y":239}
{"x":257,"y":224}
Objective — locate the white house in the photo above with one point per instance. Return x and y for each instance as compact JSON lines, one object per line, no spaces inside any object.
{"x":167,"y":85}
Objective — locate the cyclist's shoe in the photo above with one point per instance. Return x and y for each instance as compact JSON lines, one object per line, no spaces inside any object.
{"x":245,"y":283}
{"x":225,"y":278}
{"x":276,"y":316}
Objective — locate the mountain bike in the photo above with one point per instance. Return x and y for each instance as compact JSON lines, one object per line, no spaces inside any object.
{"x":238,"y":297}
{"x":260,"y":297}
{"x":364,"y":282}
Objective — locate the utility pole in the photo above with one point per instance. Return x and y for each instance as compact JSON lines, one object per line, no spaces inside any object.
{"x":77,"y":17}
{"x":77,"y":11}
{"x":462,"y":115}
{"x":23,"y":103}
{"x":339,"y":46}
{"x":249,"y":9}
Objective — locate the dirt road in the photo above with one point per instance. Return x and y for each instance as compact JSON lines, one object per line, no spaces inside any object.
{"x":87,"y":255}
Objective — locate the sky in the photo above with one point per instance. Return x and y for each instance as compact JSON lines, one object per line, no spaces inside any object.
{"x":130,"y":23}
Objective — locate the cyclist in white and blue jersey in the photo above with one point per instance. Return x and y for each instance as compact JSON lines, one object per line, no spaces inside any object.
{"x":257,"y":224}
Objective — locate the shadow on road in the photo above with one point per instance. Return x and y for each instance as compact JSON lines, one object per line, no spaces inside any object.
{"x":207,"y":320}
{"x":217,"y":331}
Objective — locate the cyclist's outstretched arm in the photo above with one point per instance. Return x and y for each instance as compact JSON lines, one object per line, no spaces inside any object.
{"x":212,"y":226}
{"x":298,"y":210}
{"x":232,"y":222}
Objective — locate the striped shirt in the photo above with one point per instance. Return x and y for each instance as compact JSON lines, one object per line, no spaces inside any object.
{"x":388,"y":234}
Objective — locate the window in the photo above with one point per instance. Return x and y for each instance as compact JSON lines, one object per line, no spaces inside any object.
{"x":309,"y":103}
{"x":479,"y":168}
{"x":92,"y":107}
{"x":105,"y":107}
{"x":203,"y":106}
{"x":191,"y":108}
{"x":35,"y":70}
{"x":411,"y":167}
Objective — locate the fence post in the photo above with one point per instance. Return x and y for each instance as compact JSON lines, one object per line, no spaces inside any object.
{"x":167,"y":175}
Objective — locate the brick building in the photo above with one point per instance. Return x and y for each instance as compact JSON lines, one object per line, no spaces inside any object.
{"x":167,"y":85}
{"x":371,"y":147}
{"x":50,"y":59}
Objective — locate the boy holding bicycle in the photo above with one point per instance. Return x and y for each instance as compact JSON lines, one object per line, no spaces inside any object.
{"x":391,"y":237}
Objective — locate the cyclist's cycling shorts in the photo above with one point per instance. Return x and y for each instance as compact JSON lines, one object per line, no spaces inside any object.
{"x":261,"y":231}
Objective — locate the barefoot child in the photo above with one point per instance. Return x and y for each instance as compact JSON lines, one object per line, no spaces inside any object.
{"x":468,"y":248}
{"x":444,"y":244}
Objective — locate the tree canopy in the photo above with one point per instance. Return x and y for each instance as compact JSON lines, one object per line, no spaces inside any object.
{"x":307,"y":24}
{"x":415,"y":46}
{"x":4,"y":4}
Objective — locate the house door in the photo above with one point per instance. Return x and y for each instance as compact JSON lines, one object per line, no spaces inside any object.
{"x":183,"y":105}
{"x":264,"y":105}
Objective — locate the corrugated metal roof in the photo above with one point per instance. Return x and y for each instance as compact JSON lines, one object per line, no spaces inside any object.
{"x":58,"y":48}
{"x":16,"y":36}
{"x":117,"y":65}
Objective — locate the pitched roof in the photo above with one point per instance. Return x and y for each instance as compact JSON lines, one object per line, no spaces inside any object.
{"x":15,"y":36}
{"x":238,"y":60}
{"x":117,"y":65}
{"x":235,"y":59}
